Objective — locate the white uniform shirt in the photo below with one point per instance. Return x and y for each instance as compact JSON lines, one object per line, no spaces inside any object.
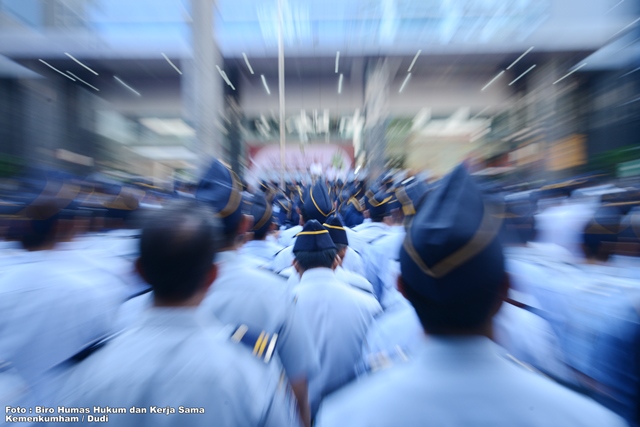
{"x":461,"y":382}
{"x":51,"y":308}
{"x":338,"y":318}
{"x":262,"y":251}
{"x":344,"y":276}
{"x":352,"y":261}
{"x":260,"y":299}
{"x":173,"y":358}
{"x":287,"y":236}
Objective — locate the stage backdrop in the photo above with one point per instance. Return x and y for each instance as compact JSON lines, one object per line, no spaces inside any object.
{"x":335,"y":160}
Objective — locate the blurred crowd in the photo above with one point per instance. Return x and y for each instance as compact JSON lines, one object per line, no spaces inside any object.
{"x":387,"y":301}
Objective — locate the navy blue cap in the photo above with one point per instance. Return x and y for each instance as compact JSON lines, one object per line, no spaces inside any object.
{"x":410,"y":195}
{"x":378,"y":203}
{"x":317,"y":203}
{"x":220,"y":188}
{"x":603,"y":227}
{"x":262,"y":213}
{"x":313,"y":238}
{"x":335,"y":227}
{"x":630,"y":226}
{"x":452,"y":245}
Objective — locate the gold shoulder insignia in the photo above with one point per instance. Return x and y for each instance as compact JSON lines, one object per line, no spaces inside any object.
{"x":262,"y":344}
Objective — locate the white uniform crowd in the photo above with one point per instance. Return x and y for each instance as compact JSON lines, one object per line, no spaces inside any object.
{"x":396,"y":303}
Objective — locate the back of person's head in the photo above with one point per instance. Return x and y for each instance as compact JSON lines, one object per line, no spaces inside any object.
{"x":519,"y":225}
{"x":262,"y":213}
{"x":316,"y":203}
{"x":600,"y":235}
{"x":629,"y":234}
{"x":338,"y":234}
{"x":39,"y":222}
{"x":452,"y":264}
{"x":378,"y":204}
{"x":177,"y":248}
{"x":410,"y":194}
{"x":313,"y":247}
{"x":220,"y":188}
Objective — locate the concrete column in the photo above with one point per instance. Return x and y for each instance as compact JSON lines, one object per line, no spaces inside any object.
{"x":233,"y":122}
{"x":376,"y":111}
{"x":202,"y":86}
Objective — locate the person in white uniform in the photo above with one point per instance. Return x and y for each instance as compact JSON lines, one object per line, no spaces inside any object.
{"x":337,"y":315}
{"x":338,"y":234}
{"x":317,"y":205}
{"x":259,"y":248}
{"x":50,"y":309}
{"x":453,"y":274}
{"x":384,"y":253}
{"x":174,"y":359}
{"x":244,"y":294}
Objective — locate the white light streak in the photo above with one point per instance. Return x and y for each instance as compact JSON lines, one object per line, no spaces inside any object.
{"x":415,"y":58}
{"x":520,"y":76}
{"x":406,"y":80}
{"x":246,"y":60}
{"x":340,"y":83}
{"x":79,"y":79}
{"x":492,"y":80}
{"x":337,"y":61}
{"x":126,"y":85}
{"x":519,"y":58}
{"x":569,"y":73}
{"x":172,"y":64}
{"x":55,"y":69}
{"x":71,"y":56}
{"x":264,"y":82}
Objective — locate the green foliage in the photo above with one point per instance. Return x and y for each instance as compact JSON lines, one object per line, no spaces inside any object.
{"x":10,"y":165}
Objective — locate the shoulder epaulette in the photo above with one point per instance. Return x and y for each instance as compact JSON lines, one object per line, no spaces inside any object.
{"x":262,"y":344}
{"x":384,"y":360}
{"x":277,"y":276}
{"x":140,"y":293}
{"x":89,"y":350}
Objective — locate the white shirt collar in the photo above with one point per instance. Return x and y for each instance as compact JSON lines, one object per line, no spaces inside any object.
{"x":317,"y":275}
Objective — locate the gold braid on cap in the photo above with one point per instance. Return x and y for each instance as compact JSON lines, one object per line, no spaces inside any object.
{"x":408,"y":208}
{"x":335,"y":227}
{"x":316,"y":205}
{"x":373,"y":202}
{"x":264,"y":219}
{"x":310,"y":233}
{"x":234,"y":198}
{"x":487,"y":231}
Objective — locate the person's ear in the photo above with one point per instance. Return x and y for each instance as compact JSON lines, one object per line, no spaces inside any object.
{"x":246,"y":222}
{"x":337,"y":262}
{"x":211,"y":277}
{"x":140,"y":270}
{"x":503,"y":294}
{"x":400,"y":286}
{"x":297,"y":267}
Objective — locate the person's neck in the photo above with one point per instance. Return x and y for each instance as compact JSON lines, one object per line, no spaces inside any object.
{"x":45,"y":247}
{"x":485,"y":330}
{"x":191,"y":302}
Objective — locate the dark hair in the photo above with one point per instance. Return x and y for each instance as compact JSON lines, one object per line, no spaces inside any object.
{"x":340,"y":246}
{"x":262,"y":232}
{"x":379,"y":217}
{"x":468,"y":311}
{"x":39,"y":225}
{"x":177,"y":248}
{"x":313,"y":259}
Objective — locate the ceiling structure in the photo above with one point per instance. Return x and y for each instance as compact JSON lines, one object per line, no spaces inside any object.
{"x":137,"y":50}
